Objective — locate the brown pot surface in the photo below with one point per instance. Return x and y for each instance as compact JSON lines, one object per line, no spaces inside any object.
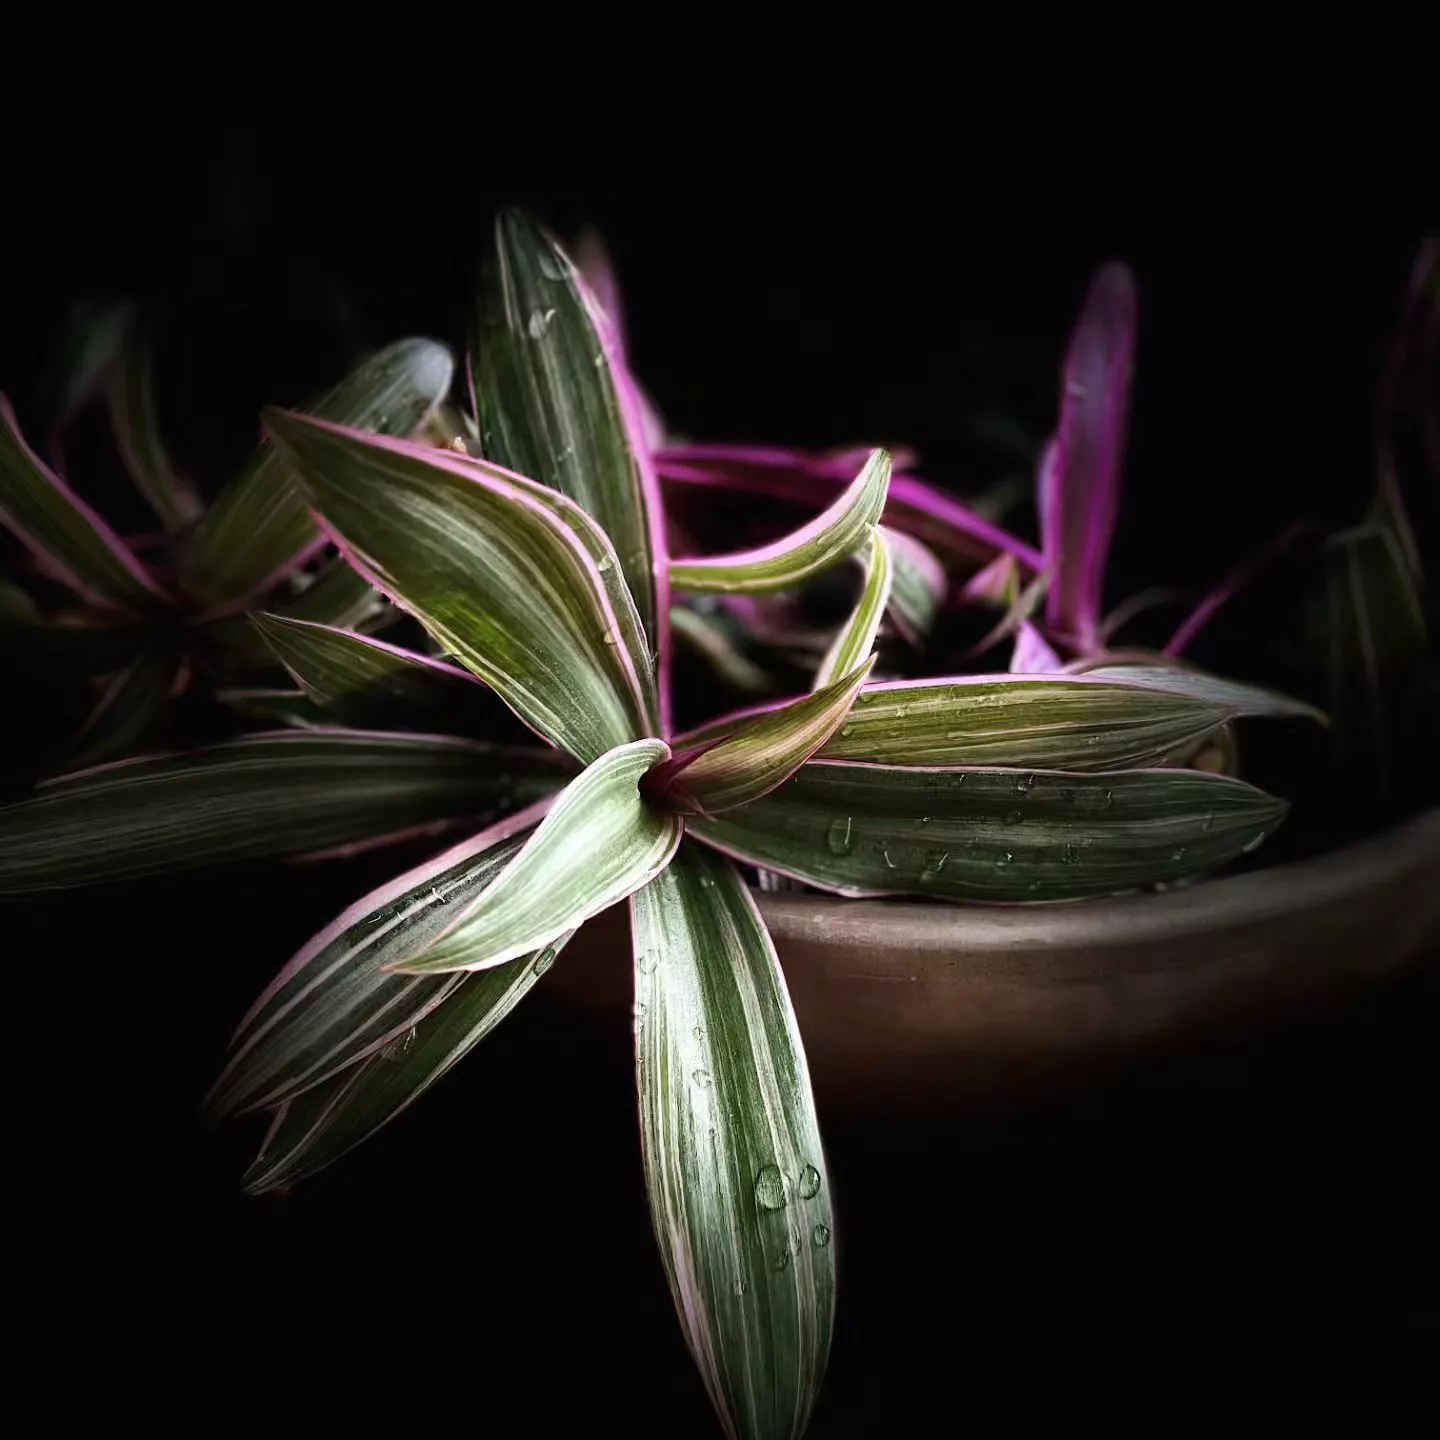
{"x":909,"y":997}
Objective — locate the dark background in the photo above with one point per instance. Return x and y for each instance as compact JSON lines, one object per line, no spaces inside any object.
{"x":1236,"y":1240}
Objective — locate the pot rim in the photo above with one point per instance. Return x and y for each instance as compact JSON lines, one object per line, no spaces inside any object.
{"x":1236,"y":901}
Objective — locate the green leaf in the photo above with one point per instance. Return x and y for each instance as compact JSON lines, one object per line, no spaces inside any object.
{"x":600,"y":842}
{"x":337,"y":596}
{"x":734,"y":1168}
{"x":1068,"y":723}
{"x":504,"y":582}
{"x":52,"y":520}
{"x":85,"y":348}
{"x":1384,"y":676}
{"x":317,"y":1127}
{"x":712,"y":638}
{"x":830,"y":539}
{"x":271,"y":796}
{"x":131,"y":398}
{"x":334,"y":1004}
{"x":918,"y":586}
{"x":737,"y":766}
{"x":127,"y":706}
{"x":259,"y":528}
{"x":856,"y":638}
{"x":369,"y":683}
{"x":994,"y":834}
{"x":1241,"y":699}
{"x":551,"y":402}
{"x":287,"y":707}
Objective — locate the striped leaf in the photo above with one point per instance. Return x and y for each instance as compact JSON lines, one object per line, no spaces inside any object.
{"x":367,"y":682}
{"x":282,"y":707}
{"x":1064,"y":723}
{"x":600,"y":841}
{"x":258,"y":529}
{"x":131,"y":398}
{"x":918,"y":587}
{"x":326,"y":1121}
{"x":831,"y":538}
{"x":912,"y":505}
{"x":1003,"y":835}
{"x":1238,"y":697}
{"x":505,"y":583}
{"x":856,"y":638}
{"x":556,"y":405}
{"x":1079,"y":488}
{"x":734,"y":1167}
{"x":334,"y":1004}
{"x":129,"y":703}
{"x":736,"y":767}
{"x":272,"y":796}
{"x":78,"y":546}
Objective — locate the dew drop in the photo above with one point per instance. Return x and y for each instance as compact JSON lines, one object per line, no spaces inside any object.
{"x":884,"y":850}
{"x":1092,"y":739}
{"x":539,"y":322}
{"x":838,"y":838}
{"x":782,"y":1260}
{"x":809,"y":1183}
{"x":1178,"y":853}
{"x":1003,"y":858}
{"x":1070,"y":856}
{"x":550,"y":267}
{"x":543,"y":961}
{"x":770,"y":1188}
{"x":604,"y":563}
{"x":846,"y":730}
{"x":1108,"y":801}
{"x":924,"y":819}
{"x":698,"y":1033}
{"x":1208,"y":823}
{"x":1025,"y":784}
{"x":647,"y":961}
{"x":702,"y":1079}
{"x":820,"y":1236}
{"x":611,"y":638}
{"x":1258,"y":840}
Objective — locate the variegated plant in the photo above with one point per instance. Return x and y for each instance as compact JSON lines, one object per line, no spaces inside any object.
{"x":541,"y":568}
{"x":145,"y":617}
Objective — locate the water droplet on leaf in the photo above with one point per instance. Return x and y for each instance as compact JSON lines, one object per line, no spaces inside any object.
{"x":1003,"y":858}
{"x":647,"y":961}
{"x":770,"y":1188}
{"x":837,"y":837}
{"x":809,"y":1183}
{"x":539,"y":322}
{"x":702,"y":1079}
{"x":820,"y":1236}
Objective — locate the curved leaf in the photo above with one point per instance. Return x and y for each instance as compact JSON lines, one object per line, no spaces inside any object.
{"x":333,"y":1004}
{"x":912,"y":506}
{"x":54,"y":522}
{"x":1032,"y":654}
{"x":505,"y":583}
{"x":856,"y":638}
{"x":554,"y":404}
{"x":317,"y":1127}
{"x":127,"y":706}
{"x":1002,"y":835}
{"x":1049,"y":724}
{"x":919,"y":585}
{"x":258,"y":529}
{"x":131,"y":398}
{"x":367,"y":682}
{"x":270,"y":796}
{"x":734,"y":1166}
{"x":832,"y":537}
{"x":761,"y":753}
{"x":1080,"y":474}
{"x":600,"y":842}
{"x":338,"y":595}
{"x":1240,"y":698}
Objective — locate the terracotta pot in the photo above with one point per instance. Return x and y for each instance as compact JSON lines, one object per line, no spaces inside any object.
{"x":914,"y":1000}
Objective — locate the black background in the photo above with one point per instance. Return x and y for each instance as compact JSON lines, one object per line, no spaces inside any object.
{"x":1239,"y":1239}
